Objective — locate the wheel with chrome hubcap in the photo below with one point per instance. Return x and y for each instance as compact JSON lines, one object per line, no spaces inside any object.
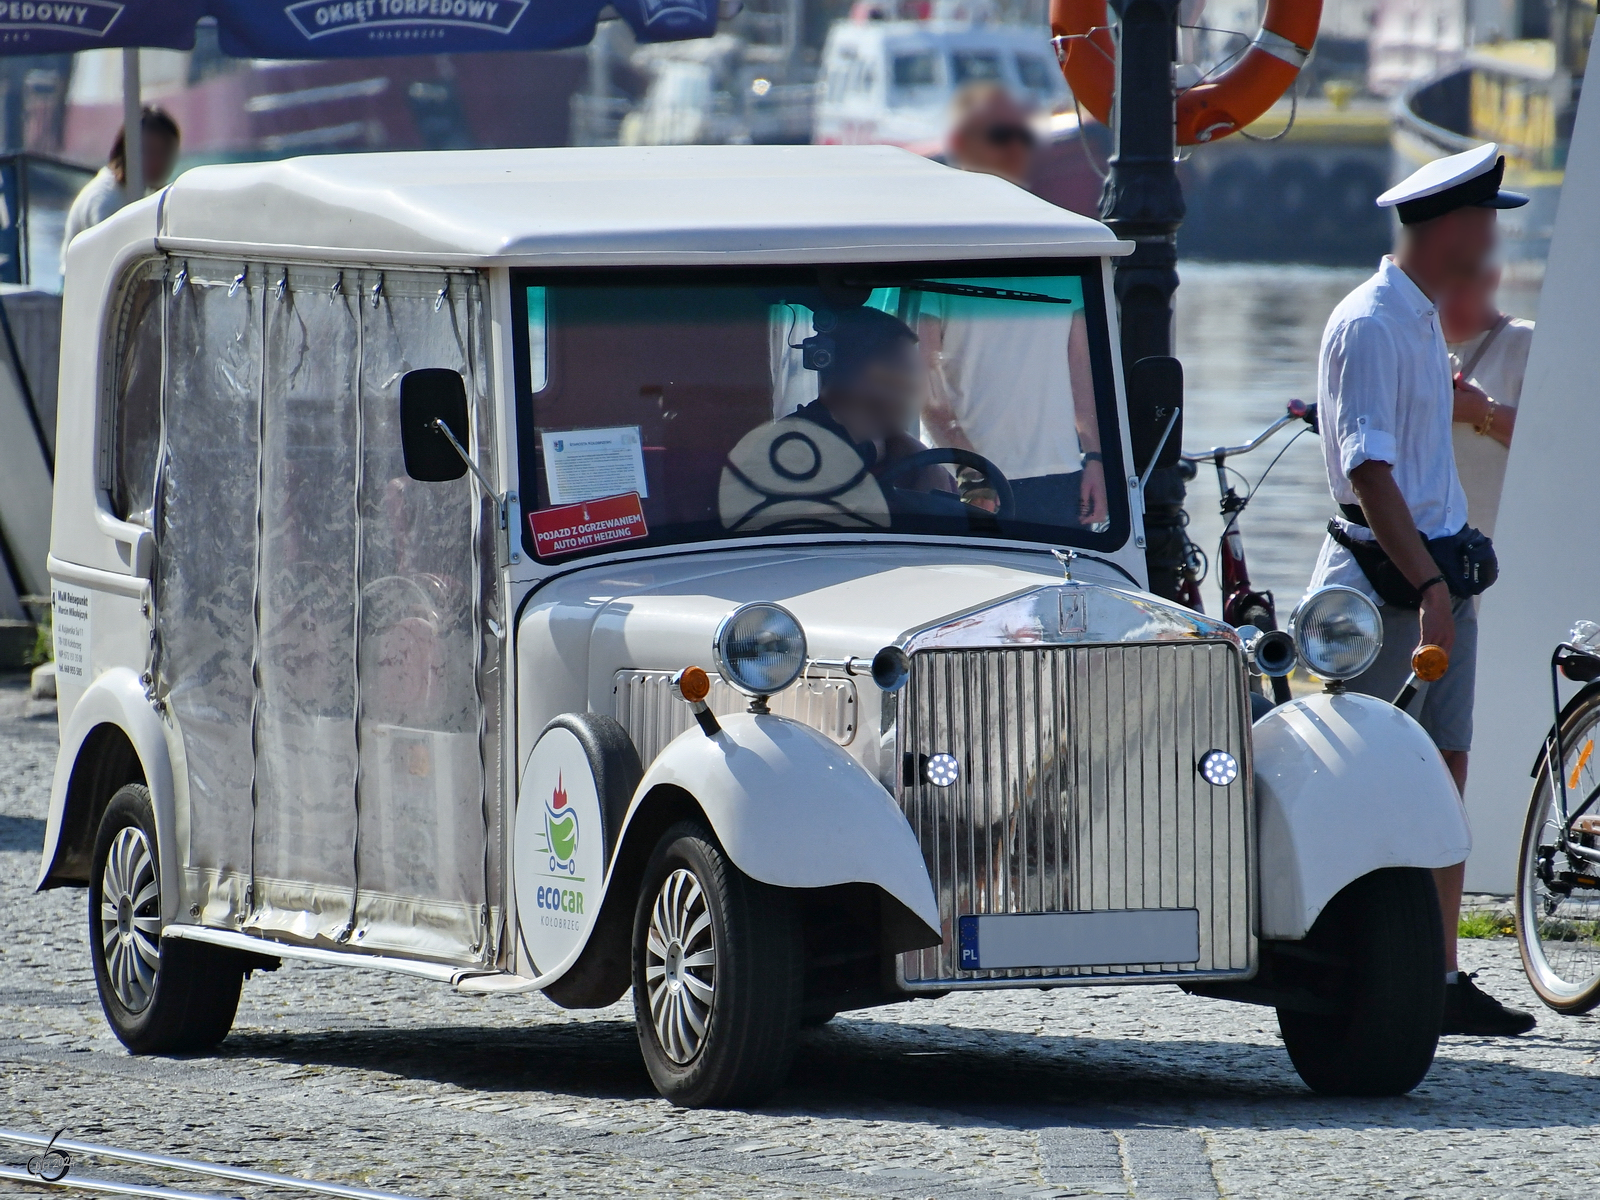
{"x":680,"y":965}
{"x":158,"y":996}
{"x":717,"y":974}
{"x":130,"y":918}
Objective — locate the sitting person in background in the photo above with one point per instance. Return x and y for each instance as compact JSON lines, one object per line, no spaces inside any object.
{"x":989,"y":132}
{"x":107,"y":191}
{"x":1489,"y":355}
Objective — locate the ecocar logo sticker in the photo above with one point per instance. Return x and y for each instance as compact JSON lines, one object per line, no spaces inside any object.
{"x":561,"y":830}
{"x":558,"y":849}
{"x":319,"y":18}
{"x":91,"y":18}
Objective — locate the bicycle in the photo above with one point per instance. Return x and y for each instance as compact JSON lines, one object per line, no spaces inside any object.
{"x":1558,"y":876}
{"x":1242,"y":604}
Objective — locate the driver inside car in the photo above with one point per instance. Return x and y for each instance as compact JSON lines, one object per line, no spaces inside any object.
{"x":845,"y":461}
{"x":870,"y":392}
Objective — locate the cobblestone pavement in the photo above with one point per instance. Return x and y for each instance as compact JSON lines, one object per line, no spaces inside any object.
{"x":404,"y":1085}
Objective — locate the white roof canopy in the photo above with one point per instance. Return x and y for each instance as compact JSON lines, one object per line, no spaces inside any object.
{"x":645,"y":205}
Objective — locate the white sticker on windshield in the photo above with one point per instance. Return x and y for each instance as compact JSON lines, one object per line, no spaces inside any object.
{"x":586,"y":464}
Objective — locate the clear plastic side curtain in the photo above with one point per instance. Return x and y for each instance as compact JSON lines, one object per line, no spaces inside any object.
{"x":329,"y":627}
{"x":206,"y":568}
{"x":305,"y":734}
{"x":421,"y":793}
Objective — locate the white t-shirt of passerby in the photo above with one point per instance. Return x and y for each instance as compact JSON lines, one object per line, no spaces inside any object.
{"x":1384,"y":393}
{"x":1480,"y":460}
{"x":1009,"y":381}
{"x":100,"y":197}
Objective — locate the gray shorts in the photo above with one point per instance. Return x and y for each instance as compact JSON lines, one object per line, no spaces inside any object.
{"x":1444,"y":708}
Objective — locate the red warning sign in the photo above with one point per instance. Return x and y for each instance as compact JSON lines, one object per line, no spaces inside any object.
{"x":573,"y":527}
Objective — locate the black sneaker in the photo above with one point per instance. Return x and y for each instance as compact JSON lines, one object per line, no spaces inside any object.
{"x":1469,"y":1011}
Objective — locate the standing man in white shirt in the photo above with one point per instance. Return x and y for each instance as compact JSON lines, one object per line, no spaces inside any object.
{"x":1386,"y":398}
{"x":1008,"y":380}
{"x":1488,"y":350}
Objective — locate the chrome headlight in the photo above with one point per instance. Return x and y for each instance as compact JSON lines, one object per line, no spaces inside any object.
{"x":760,"y":648}
{"x":1338,"y":632}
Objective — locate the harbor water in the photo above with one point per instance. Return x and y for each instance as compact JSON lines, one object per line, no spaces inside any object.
{"x":1247,"y":335}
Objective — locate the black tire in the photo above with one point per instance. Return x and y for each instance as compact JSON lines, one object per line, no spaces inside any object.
{"x":1377,"y":951}
{"x":756,"y":980}
{"x":183,"y":1001}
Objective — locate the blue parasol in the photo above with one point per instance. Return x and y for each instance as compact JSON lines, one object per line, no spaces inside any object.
{"x":340,"y":28}
{"x":328,"y":29}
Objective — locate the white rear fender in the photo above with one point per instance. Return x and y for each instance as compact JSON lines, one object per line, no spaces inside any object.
{"x":1346,"y":785}
{"x":115,"y":698}
{"x":794,"y":810}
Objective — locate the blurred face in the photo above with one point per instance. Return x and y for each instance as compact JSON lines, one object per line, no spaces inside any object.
{"x":996,"y":140}
{"x":1470,"y":310}
{"x":160,"y":156}
{"x":1451,"y":253}
{"x":878,"y":400}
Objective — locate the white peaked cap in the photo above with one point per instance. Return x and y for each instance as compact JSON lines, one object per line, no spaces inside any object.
{"x":1467,"y":180}
{"x":1441,"y":174}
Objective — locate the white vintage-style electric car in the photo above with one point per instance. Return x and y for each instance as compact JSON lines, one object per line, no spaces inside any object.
{"x":715,"y":571}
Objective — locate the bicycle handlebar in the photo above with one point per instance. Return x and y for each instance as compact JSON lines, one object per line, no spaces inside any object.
{"x":1296,"y":410}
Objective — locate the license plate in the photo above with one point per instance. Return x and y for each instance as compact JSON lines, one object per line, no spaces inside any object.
{"x":1081,"y":939}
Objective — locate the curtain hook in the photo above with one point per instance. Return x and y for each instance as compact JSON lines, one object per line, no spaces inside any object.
{"x":283,"y":283}
{"x":444,"y":294}
{"x":377,"y":290}
{"x":183,"y":278}
{"x":337,"y":288}
{"x":238,"y":281}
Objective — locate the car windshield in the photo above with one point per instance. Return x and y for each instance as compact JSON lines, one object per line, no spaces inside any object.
{"x":667,"y":407}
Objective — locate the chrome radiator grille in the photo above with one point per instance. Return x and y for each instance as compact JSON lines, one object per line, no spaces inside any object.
{"x":1078,"y":791}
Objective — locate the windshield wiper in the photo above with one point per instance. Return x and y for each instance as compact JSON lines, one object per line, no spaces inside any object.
{"x":968,"y":289}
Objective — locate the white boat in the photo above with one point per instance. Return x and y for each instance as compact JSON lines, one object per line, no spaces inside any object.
{"x":892,"y":82}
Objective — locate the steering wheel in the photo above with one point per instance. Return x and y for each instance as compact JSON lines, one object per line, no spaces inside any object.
{"x":912,"y":463}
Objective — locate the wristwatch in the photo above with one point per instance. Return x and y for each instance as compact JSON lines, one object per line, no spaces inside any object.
{"x":1090,"y":456}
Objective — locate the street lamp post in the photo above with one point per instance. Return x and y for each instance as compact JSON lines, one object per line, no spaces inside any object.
{"x":1143,"y":203}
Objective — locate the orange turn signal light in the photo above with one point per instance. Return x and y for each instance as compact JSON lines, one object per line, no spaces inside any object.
{"x":1429,"y":663}
{"x":694,"y":685}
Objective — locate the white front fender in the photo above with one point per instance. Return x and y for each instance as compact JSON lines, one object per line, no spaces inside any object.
{"x":794,"y":810}
{"x":116,"y":697}
{"x":1345,"y":785}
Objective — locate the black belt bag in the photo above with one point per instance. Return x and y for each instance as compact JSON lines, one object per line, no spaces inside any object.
{"x":1466,"y":559}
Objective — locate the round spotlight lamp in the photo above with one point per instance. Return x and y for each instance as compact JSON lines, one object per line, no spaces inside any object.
{"x":942,"y":770}
{"x":760,"y":649}
{"x":1219,"y":768}
{"x":1338,"y":632}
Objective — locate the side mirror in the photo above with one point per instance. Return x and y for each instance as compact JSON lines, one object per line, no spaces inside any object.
{"x":427,"y":396}
{"x":1155,"y":395}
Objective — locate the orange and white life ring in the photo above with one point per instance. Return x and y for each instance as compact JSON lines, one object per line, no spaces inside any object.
{"x":1208,"y":110}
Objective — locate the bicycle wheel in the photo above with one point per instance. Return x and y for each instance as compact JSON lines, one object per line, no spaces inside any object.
{"x":1558,"y":893}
